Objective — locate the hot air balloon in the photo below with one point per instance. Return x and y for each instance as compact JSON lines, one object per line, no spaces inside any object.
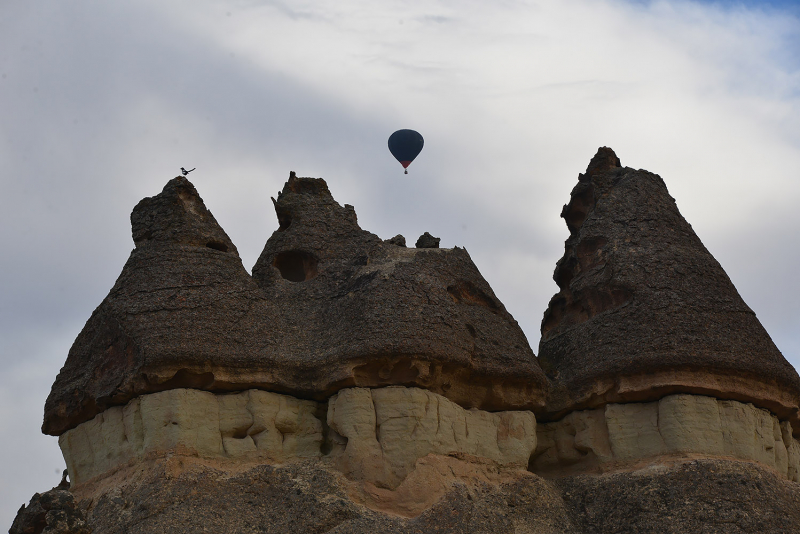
{"x":405,"y":145}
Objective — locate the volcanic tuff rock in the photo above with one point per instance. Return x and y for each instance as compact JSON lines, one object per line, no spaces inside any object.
{"x":183,"y":313}
{"x":329,"y":306}
{"x":361,"y":312}
{"x":618,"y":436}
{"x":644,"y":310}
{"x":327,"y":392}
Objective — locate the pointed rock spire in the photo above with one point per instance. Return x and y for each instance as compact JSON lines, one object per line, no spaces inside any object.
{"x":178,"y":216}
{"x":182,"y":300}
{"x":644,"y":310}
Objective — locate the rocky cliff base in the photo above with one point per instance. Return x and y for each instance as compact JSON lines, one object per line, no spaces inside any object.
{"x":183,"y":494}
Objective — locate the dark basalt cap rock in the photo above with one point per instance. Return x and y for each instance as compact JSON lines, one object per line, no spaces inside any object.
{"x":329,"y":306}
{"x":363,"y":312}
{"x":644,"y":310}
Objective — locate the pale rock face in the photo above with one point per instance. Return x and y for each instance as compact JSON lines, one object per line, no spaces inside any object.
{"x":195,"y":422}
{"x":377,"y":436}
{"x":620,"y":434}
{"x":380,"y":434}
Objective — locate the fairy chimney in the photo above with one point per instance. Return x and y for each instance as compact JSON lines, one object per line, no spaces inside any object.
{"x":648,"y":348}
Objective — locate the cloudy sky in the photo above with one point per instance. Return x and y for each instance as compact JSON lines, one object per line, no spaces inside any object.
{"x":101,"y":103}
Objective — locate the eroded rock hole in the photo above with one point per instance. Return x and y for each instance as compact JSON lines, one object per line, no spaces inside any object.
{"x":296,"y":265}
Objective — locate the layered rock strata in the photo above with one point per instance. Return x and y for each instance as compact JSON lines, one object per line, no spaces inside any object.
{"x":680,"y":426}
{"x":374,"y":435}
{"x":645,"y":311}
{"x":329,"y":306}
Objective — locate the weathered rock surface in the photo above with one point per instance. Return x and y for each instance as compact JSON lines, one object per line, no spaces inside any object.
{"x":398,"y":240}
{"x":183,"y":313}
{"x":381,"y":433}
{"x":620,"y":435}
{"x":426,"y":240}
{"x":178,"y":496}
{"x":51,"y":512}
{"x":254,"y":424}
{"x":644,"y":310}
{"x":364,"y":313}
{"x":329,"y":306}
{"x":709,"y":496}
{"x":402,"y":447}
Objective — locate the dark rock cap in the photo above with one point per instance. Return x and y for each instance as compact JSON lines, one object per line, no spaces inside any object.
{"x":182,"y":301}
{"x":644,"y":310}
{"x":364,"y":312}
{"x":329,"y":306}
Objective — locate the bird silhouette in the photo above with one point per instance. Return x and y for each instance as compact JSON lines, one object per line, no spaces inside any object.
{"x":184,"y":172}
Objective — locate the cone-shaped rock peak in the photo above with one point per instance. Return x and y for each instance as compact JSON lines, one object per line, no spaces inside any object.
{"x":644,"y":310}
{"x":178,"y":216}
{"x":329,"y":306}
{"x":373,"y":313}
{"x":182,"y":300}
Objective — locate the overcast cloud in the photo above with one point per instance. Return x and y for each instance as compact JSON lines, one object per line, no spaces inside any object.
{"x":101,"y":103}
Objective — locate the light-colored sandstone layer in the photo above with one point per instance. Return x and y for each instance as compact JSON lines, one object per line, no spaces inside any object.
{"x":195,"y":421}
{"x":376,"y":436}
{"x":620,"y":434}
{"x":379,"y":434}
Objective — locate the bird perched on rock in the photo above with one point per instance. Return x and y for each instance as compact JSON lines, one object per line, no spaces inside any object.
{"x":184,"y":172}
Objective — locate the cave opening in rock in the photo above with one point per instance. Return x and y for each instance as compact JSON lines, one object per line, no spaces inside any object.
{"x":296,"y":265}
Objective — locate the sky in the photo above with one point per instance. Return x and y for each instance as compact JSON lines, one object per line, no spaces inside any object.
{"x":101,"y":103}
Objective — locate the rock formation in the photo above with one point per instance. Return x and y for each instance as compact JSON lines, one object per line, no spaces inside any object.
{"x":354,"y":385}
{"x":356,"y":311}
{"x":329,"y":306}
{"x":645,"y":310}
{"x":650,"y":352}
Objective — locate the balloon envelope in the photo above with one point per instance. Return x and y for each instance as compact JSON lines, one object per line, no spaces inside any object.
{"x":405,"y":145}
